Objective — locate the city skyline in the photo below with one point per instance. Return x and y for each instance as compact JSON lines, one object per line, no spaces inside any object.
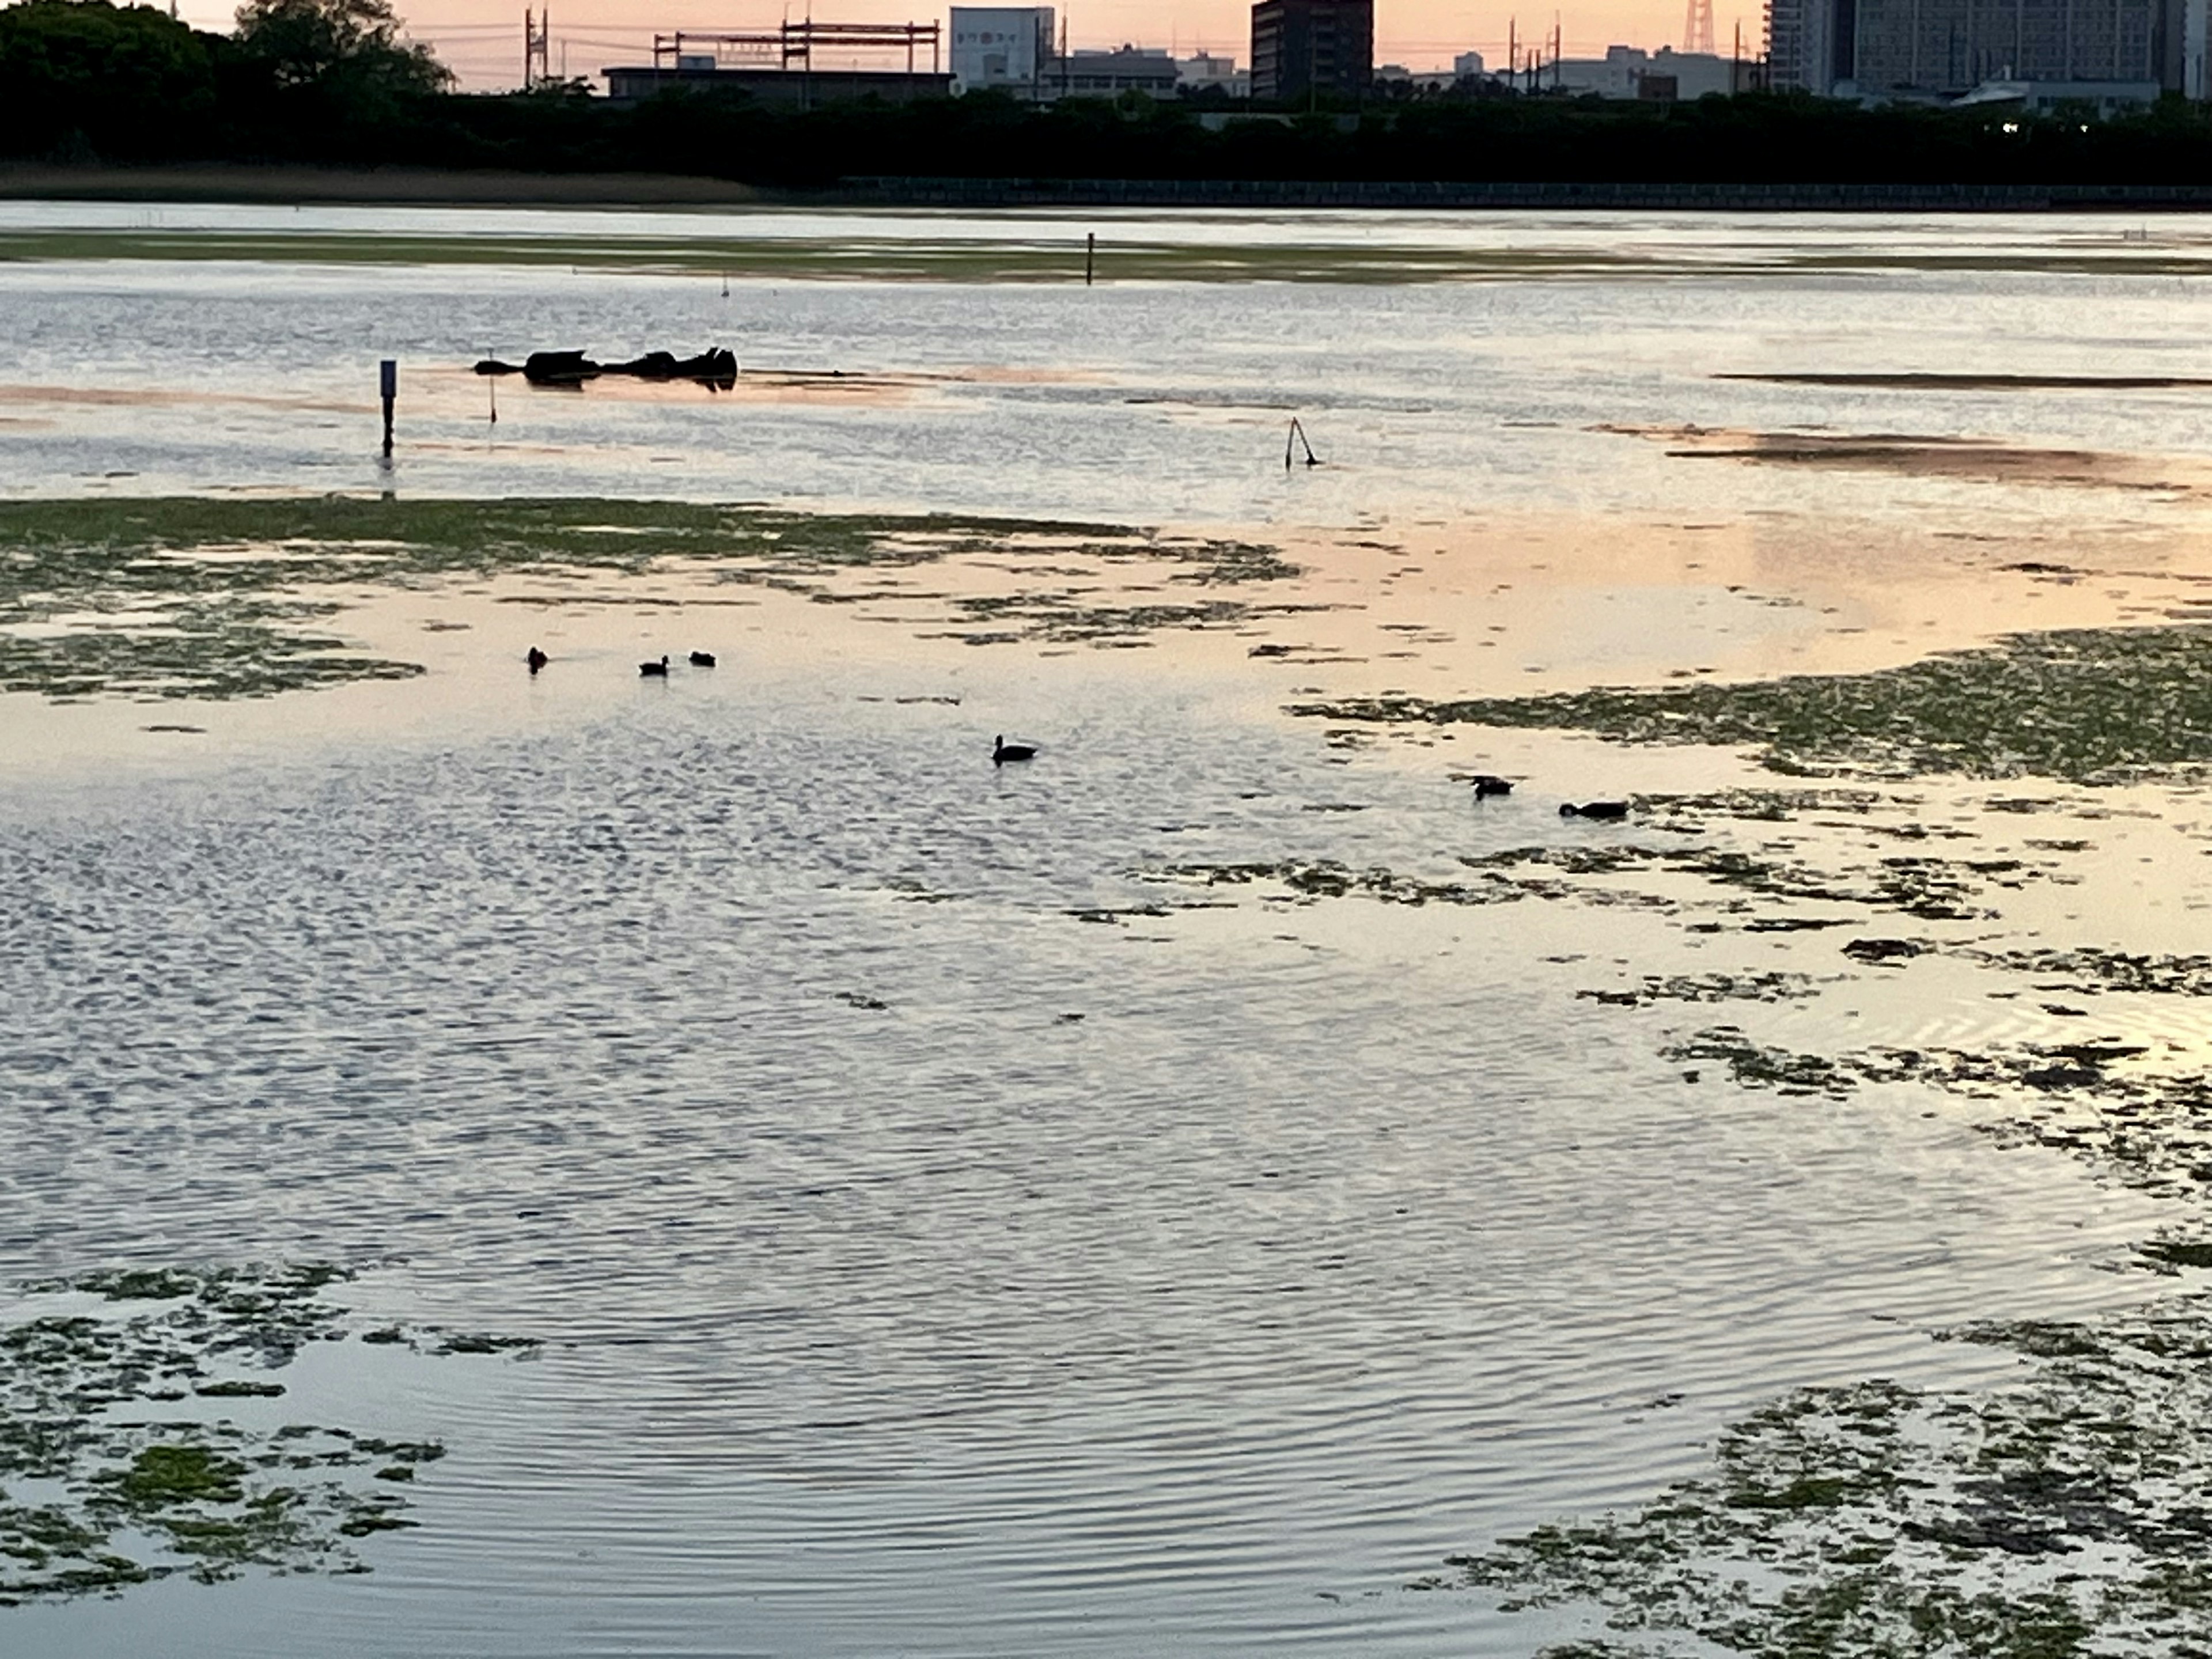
{"x":480,"y":40}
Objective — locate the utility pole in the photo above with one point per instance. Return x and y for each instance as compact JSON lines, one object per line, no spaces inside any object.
{"x":536,"y":60}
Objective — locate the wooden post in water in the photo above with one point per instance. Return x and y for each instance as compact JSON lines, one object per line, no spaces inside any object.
{"x":1090,"y":254}
{"x":387,"y":379}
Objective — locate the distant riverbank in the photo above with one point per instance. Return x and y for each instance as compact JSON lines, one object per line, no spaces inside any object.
{"x":217,"y":182}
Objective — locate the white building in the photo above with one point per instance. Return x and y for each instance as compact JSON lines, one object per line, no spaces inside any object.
{"x":1006,"y":47}
{"x":1467,"y":66}
{"x":1209,"y":69}
{"x":1089,"y":73}
{"x":1628,"y":72}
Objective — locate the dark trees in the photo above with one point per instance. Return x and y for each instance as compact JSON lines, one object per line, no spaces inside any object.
{"x":83,"y":78}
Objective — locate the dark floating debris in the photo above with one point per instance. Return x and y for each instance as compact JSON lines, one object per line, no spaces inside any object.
{"x":654,"y":670}
{"x":702,"y":660}
{"x":536,"y":659}
{"x":1487,"y":784}
{"x":1297,"y":436}
{"x":1885,"y":950}
{"x":1002,"y":751}
{"x":1596,"y":809}
{"x":716,"y":368}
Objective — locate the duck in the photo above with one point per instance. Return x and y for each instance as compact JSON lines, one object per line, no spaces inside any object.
{"x":1002,"y":751}
{"x":536,"y":659}
{"x":1596,"y":809}
{"x":657,"y":670}
{"x":702,"y":660}
{"x":1485,"y":784}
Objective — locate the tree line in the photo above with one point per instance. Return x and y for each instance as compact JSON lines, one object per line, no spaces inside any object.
{"x":335,"y":83}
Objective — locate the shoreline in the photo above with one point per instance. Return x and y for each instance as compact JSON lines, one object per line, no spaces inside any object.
{"x":252,"y":183}
{"x":368,"y":186}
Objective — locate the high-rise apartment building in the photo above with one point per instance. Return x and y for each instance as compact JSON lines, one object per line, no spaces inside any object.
{"x":1302,"y":47}
{"x":1945,"y":47}
{"x":1799,"y":34}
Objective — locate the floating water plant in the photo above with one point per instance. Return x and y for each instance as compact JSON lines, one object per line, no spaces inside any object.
{"x":2060,"y":1516}
{"x":1926,"y":888}
{"x":204,"y":598}
{"x":2149,"y":1129}
{"x":127,"y":1494}
{"x":2088,"y":706}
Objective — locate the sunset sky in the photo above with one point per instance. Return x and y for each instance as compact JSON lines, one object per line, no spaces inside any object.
{"x":482,"y":39}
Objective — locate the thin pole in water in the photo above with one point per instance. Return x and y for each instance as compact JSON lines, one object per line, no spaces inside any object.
{"x":387,"y":377}
{"x":1090,"y":254}
{"x":1297,"y":435}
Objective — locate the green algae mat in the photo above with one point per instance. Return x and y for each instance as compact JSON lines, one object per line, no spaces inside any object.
{"x":2057,"y":1518}
{"x":194,"y":597}
{"x":116,"y":1470}
{"x":2104,"y":705}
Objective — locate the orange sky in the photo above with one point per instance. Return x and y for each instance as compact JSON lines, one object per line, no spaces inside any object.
{"x":482,"y":39}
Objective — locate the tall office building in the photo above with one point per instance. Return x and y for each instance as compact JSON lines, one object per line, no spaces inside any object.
{"x":1301,"y":47}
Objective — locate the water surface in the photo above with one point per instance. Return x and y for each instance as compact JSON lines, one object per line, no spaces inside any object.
{"x":954,"y":1224}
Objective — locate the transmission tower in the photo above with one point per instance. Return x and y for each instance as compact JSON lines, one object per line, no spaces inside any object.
{"x":1697,"y":26}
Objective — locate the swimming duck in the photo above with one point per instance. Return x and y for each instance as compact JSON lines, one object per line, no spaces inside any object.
{"x":1002,"y":751}
{"x":536,"y":659}
{"x":1486,"y":785}
{"x":658,"y":669}
{"x":1596,"y":809}
{"x":702,"y":660}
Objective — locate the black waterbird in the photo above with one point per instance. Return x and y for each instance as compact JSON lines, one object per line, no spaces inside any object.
{"x":1486,"y":785}
{"x":702,"y":660}
{"x":1002,"y":751}
{"x":536,"y":659}
{"x":1596,"y":809}
{"x":657,"y":670}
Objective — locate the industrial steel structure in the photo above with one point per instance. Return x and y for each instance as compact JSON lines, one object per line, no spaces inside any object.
{"x":791,"y":47}
{"x":780,"y":66}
